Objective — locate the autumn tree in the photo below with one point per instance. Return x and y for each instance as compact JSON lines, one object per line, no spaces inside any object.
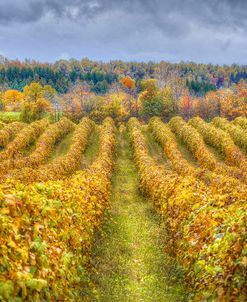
{"x":35,"y":91}
{"x":170,"y":76}
{"x":207,"y":107}
{"x":129,"y":87}
{"x":185,"y":106}
{"x":178,"y":87}
{"x":212,"y":104}
{"x":34,"y":110}
{"x":116,"y":105}
{"x":79,"y":101}
{"x":37,"y":101}
{"x":151,"y":102}
{"x":234,"y":103}
{"x":2,"y":105}
{"x":13,"y":100}
{"x":170,"y":103}
{"x":128,"y":83}
{"x":229,"y":103}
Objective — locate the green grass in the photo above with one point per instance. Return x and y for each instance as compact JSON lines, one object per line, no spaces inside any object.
{"x":9,"y":116}
{"x":155,"y":150}
{"x":90,"y":153}
{"x":218,"y":156}
{"x":92,"y":148}
{"x":129,"y":258}
{"x":29,"y":149}
{"x":62,"y":147}
{"x":187,"y":154}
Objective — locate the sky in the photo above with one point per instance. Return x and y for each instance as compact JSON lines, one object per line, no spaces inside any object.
{"x":203,"y":31}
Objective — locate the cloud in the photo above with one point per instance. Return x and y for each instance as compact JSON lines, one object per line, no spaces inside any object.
{"x":212,"y":30}
{"x":210,"y":12}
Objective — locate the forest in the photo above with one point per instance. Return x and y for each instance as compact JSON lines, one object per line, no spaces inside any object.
{"x":63,"y":74}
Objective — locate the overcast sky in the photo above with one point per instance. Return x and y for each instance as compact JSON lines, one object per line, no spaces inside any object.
{"x":141,"y":30}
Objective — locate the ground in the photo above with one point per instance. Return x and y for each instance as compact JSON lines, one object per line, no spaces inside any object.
{"x":129,"y":259}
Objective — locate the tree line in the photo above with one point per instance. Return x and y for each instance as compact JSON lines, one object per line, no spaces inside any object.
{"x":126,"y":99}
{"x":63,"y":74}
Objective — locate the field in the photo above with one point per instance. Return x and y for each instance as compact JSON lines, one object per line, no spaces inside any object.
{"x":9,"y":116}
{"x":136,"y":212}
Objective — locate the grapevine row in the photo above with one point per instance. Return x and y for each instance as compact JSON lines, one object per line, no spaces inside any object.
{"x":50,"y":227}
{"x":2,"y":125}
{"x":194,"y":142}
{"x":8,"y":132}
{"x":24,"y":138}
{"x":200,"y":221}
{"x":238,"y":134}
{"x":220,"y":140}
{"x":241,"y":121}
{"x":216,"y":179}
{"x":63,"y":166}
{"x":167,"y":140}
{"x":44,"y":147}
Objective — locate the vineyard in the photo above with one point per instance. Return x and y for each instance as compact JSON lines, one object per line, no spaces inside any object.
{"x":136,"y":212}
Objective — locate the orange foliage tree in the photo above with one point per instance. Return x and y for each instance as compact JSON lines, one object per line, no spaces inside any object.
{"x":207,"y":107}
{"x":128,"y":82}
{"x":185,"y":106}
{"x":234,"y":103}
{"x":78,"y":102}
{"x":130,"y":87}
{"x":12,"y":100}
{"x":2,"y":105}
{"x":229,"y":103}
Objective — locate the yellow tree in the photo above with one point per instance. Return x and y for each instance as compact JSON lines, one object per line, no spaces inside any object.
{"x":36,"y":101}
{"x":35,"y":90}
{"x":2,"y":105}
{"x":170,"y":104}
{"x":234,"y":103}
{"x":13,"y":100}
{"x":116,"y":105}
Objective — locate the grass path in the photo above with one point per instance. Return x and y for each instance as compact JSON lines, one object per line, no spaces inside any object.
{"x":129,"y":257}
{"x":88,"y":156}
{"x":187,"y":154}
{"x":155,"y":150}
{"x":92,"y":148}
{"x":217,"y":155}
{"x":62,"y":147}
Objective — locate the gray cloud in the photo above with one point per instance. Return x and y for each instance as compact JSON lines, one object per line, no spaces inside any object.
{"x":212,"y":30}
{"x":227,"y":12}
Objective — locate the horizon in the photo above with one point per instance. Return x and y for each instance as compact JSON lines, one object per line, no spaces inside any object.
{"x":101,"y":61}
